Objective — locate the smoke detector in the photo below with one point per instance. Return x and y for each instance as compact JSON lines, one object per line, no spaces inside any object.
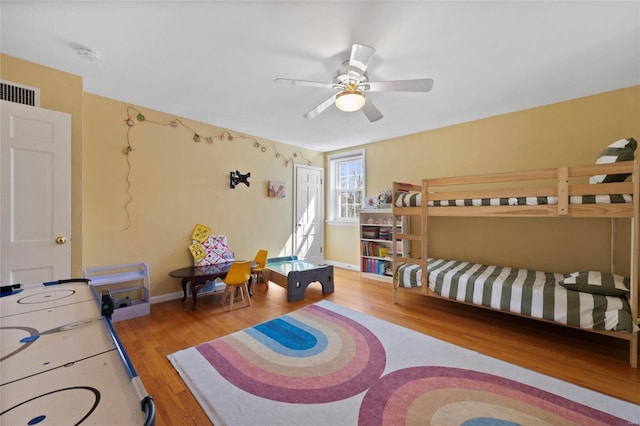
{"x":88,"y":54}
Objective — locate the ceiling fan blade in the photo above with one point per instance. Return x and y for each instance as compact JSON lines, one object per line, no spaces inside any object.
{"x":371,"y":112}
{"x":361,"y":56}
{"x":305,"y":83}
{"x":420,"y":85}
{"x":320,"y":108}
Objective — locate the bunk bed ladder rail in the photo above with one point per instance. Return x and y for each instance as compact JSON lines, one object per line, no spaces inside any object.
{"x":635,"y":256}
{"x":396,"y":260}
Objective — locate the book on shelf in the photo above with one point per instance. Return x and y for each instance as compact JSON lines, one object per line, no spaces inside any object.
{"x":376,"y":266}
{"x":371,"y":248}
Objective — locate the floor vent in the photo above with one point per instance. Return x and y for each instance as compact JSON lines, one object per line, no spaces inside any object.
{"x":19,"y":93}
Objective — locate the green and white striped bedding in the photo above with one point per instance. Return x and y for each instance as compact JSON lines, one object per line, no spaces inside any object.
{"x":414,"y":199}
{"x":532,"y":293}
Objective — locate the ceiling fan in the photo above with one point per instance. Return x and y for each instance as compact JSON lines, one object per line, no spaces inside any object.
{"x":351,"y":82}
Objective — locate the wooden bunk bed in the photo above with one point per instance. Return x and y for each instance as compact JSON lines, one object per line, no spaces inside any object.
{"x":553,"y":192}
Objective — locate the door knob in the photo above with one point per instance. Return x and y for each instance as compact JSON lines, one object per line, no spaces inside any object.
{"x":61,"y":240}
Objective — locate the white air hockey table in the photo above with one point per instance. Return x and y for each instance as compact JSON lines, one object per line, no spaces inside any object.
{"x":61,"y":361}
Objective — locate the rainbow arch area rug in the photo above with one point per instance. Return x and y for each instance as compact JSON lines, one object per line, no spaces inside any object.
{"x":328,"y":365}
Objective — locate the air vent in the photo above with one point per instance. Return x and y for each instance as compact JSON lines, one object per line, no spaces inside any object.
{"x":19,"y":93}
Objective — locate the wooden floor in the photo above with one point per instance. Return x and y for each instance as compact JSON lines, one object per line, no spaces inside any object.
{"x":586,"y":359}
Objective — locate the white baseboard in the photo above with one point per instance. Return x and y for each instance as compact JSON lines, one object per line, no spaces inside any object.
{"x":166,"y":297}
{"x":343,"y":265}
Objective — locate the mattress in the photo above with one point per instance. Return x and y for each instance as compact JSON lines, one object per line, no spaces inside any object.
{"x":414,"y":199}
{"x":532,"y":293}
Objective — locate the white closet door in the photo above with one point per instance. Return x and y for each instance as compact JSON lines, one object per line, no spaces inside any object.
{"x":35,"y":194}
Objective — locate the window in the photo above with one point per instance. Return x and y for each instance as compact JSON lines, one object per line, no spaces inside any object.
{"x":346,"y":185}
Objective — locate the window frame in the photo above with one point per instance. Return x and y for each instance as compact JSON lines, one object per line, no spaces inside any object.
{"x":333,"y":204}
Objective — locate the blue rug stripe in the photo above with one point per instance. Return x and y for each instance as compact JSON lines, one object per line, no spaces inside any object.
{"x":290,"y":337}
{"x":287,"y":334}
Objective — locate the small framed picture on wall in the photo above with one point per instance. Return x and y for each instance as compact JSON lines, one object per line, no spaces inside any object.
{"x":277,"y":189}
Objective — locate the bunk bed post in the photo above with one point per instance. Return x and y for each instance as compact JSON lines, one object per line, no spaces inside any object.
{"x":563,"y":191}
{"x":424,"y":277}
{"x":394,"y":249}
{"x":634,"y":261}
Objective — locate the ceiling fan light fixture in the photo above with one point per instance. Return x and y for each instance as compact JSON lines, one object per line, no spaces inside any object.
{"x":350,"y":100}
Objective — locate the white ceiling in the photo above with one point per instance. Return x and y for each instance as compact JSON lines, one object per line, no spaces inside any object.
{"x":215,"y":61}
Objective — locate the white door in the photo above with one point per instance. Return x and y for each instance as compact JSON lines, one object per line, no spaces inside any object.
{"x":309,"y":214}
{"x":35,"y":194}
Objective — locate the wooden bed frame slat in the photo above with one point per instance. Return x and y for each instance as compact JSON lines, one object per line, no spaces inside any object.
{"x":599,"y":210}
{"x":503,"y":211}
{"x":411,"y":260}
{"x":603,"y":169}
{"x":404,"y":211}
{"x":601,"y":189}
{"x":539,"y":174}
{"x":542,"y":191}
{"x":413,"y":237}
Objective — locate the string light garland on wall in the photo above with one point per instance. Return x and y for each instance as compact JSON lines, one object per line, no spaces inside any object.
{"x":224,"y":136}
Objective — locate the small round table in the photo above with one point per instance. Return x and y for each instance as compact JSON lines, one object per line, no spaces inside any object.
{"x":197,"y":277}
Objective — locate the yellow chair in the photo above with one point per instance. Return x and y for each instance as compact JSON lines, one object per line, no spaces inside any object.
{"x":261,"y":260}
{"x":237,"y":277}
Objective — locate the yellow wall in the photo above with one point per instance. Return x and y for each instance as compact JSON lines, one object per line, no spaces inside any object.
{"x":566,"y":133}
{"x":177,"y":183}
{"x":59,"y":91}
